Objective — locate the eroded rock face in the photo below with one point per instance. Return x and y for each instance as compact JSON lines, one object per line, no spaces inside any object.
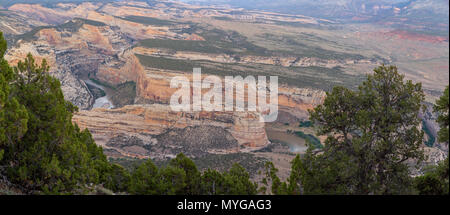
{"x":153,"y":85}
{"x":57,"y":15}
{"x":12,"y":23}
{"x":284,"y":61}
{"x":122,"y":69}
{"x":149,"y":128}
{"x":74,"y":90}
{"x":150,"y":123}
{"x":72,"y":56}
{"x":143,"y":130}
{"x":297,"y":101}
{"x":196,"y":141}
{"x":157,"y":126}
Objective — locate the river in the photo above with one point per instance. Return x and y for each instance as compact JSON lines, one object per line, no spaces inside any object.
{"x":296,"y":144}
{"x":102,"y":102}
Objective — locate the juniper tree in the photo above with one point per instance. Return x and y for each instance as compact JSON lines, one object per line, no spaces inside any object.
{"x":372,"y":133}
{"x":45,"y":152}
{"x":13,"y":116}
{"x":442,"y":109}
{"x":436,"y":180}
{"x":40,"y":146}
{"x":193,"y":176}
{"x":237,"y":182}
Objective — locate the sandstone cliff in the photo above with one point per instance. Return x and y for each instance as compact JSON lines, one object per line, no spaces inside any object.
{"x":12,"y":23}
{"x":78,"y":50}
{"x":72,"y":56}
{"x":157,"y":125}
{"x":153,"y":85}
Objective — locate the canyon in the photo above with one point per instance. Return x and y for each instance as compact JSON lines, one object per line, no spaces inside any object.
{"x":115,"y":62}
{"x":99,"y":50}
{"x":78,"y":49}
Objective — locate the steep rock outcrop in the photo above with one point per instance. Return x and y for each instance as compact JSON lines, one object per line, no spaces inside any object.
{"x":72,"y":56}
{"x":284,"y":61}
{"x":153,"y":124}
{"x":153,"y":85}
{"x":55,"y":15}
{"x":13,"y":23}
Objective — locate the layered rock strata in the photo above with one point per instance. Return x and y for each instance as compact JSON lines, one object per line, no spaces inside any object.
{"x":154,"y":123}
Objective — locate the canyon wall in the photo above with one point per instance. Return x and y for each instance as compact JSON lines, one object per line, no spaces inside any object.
{"x":79,"y":49}
{"x":73,"y":53}
{"x":153,"y":125}
{"x":153,"y":85}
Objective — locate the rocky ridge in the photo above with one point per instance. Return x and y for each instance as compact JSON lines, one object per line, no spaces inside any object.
{"x":157,"y":124}
{"x":96,"y":39}
{"x":72,"y":56}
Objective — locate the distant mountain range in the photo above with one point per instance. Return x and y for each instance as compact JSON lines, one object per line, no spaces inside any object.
{"x":341,"y":8}
{"x":7,"y":3}
{"x":421,"y":15}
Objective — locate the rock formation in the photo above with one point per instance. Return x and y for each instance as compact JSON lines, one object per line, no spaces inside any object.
{"x":99,"y":41}
{"x":153,"y":124}
{"x":73,"y":54}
